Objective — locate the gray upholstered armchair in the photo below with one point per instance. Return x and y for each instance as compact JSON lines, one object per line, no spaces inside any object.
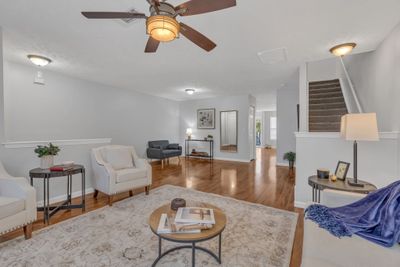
{"x":162,"y":150}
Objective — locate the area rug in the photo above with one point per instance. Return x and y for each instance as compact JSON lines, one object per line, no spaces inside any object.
{"x":255,"y":235}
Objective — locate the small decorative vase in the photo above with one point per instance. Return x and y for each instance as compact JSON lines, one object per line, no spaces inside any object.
{"x":46,"y":162}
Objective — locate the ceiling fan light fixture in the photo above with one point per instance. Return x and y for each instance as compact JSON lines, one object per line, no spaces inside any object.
{"x":342,"y":49}
{"x":162,"y":28}
{"x":190,"y":91}
{"x":39,"y":60}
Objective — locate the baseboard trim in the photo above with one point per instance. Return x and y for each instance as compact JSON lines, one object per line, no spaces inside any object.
{"x":236,"y":160}
{"x":282,"y":164}
{"x":300,"y":204}
{"x":72,"y":142}
{"x":64,"y":197}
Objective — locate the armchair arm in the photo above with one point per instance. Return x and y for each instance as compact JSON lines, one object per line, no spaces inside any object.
{"x":143,"y":164}
{"x":19,"y":187}
{"x":154,"y":153}
{"x":104,"y":175}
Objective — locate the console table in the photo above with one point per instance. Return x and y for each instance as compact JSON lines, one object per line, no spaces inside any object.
{"x":189,"y":154}
{"x":319,"y":184}
{"x":46,"y":175}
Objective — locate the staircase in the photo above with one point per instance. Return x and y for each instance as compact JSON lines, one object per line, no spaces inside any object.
{"x":326,"y":106}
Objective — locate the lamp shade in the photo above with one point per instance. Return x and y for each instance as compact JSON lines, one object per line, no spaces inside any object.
{"x":189,"y":131}
{"x":359,"y":127}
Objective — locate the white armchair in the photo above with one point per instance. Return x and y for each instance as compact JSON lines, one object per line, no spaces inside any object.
{"x":17,"y":204}
{"x":118,"y":169}
{"x":320,"y":248}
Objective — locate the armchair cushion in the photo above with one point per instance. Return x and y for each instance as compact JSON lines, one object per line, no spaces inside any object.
{"x":10,"y":206}
{"x":126,"y":175}
{"x":173,"y":146}
{"x":119,"y":158}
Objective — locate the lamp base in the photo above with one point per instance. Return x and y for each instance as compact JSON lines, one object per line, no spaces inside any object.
{"x":351,"y":182}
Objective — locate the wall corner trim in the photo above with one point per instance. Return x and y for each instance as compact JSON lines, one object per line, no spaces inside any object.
{"x":71,"y":142}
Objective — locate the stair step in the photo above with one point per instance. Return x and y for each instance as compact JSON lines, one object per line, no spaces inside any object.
{"x":337,"y":93}
{"x":327,"y":100}
{"x":327,"y":112}
{"x":329,"y":118}
{"x":325,"y":106}
{"x":324,"y":127}
{"x":324,"y":90}
{"x":324,"y":82}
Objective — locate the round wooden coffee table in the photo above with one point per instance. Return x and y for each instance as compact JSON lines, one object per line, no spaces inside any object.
{"x":192,"y":239}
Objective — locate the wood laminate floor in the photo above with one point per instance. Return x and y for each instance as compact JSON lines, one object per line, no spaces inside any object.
{"x":260,"y":181}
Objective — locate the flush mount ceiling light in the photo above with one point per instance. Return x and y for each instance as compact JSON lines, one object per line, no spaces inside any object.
{"x":162,"y":28}
{"x":342,"y":49}
{"x":190,"y":91}
{"x":39,"y":60}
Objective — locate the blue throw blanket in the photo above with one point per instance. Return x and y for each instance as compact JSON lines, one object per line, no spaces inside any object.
{"x":375,"y":217}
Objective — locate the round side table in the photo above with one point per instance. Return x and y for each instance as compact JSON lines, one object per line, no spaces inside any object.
{"x":192,"y":239}
{"x":319,"y":184}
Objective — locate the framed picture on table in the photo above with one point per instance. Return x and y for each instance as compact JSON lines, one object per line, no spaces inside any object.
{"x":341,"y":170}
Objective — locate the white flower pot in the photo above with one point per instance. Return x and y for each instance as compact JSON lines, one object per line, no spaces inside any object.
{"x":46,"y":162}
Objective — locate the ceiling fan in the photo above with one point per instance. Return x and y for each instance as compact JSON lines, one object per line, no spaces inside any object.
{"x":162,"y":25}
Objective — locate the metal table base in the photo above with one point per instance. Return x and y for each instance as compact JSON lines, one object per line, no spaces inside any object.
{"x":192,"y":246}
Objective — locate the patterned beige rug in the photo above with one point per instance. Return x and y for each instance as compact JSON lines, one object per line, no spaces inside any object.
{"x":255,"y":235}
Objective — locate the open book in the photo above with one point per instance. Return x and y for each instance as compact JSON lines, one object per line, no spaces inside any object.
{"x":168,"y":226}
{"x":195,"y":215}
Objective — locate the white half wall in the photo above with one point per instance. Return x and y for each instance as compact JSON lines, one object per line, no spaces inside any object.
{"x":377,"y":161}
{"x":188,"y":119}
{"x":75,"y":110}
{"x":286,"y":113}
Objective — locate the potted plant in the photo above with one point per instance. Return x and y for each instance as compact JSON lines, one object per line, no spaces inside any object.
{"x":210,"y":137}
{"x":46,"y":155}
{"x":291,"y":157}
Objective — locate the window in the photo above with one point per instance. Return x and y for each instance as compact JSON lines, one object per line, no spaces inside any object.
{"x":272,"y":128}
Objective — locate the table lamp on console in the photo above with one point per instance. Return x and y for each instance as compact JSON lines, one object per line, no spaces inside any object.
{"x":358,"y":127}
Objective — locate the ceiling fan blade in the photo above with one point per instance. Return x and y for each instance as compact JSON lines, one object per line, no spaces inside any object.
{"x":197,"y":38}
{"x":152,"y":45}
{"x":113,"y":15}
{"x":195,"y":7}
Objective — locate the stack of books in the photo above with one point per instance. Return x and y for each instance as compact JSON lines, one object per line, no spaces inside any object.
{"x":187,"y":220}
{"x":61,"y":168}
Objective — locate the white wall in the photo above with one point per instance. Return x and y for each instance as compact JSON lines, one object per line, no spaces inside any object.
{"x":377,"y":161}
{"x":287,"y":100}
{"x":376,"y":77}
{"x":188,"y":119}
{"x":70,"y":108}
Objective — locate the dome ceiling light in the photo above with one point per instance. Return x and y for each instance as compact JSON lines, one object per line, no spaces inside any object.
{"x":342,"y":49}
{"x":39,"y":60}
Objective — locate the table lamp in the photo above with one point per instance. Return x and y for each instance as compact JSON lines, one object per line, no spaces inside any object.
{"x":358,"y":127}
{"x":189,"y":133}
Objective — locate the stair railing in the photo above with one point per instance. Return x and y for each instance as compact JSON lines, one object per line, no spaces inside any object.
{"x":351,"y":85}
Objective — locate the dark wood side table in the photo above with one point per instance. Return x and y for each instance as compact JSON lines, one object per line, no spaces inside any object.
{"x":318,"y":185}
{"x":46,"y":175}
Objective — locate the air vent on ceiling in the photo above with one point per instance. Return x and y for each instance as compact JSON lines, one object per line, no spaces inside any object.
{"x":273,"y":56}
{"x":130,"y":20}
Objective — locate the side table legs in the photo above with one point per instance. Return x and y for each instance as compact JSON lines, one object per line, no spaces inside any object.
{"x":316,"y":194}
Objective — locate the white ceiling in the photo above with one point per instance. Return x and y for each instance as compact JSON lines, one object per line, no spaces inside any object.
{"x":110,"y":52}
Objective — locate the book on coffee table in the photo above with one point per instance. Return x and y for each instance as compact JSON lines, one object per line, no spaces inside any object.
{"x":168,"y":226}
{"x":195,"y":215}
